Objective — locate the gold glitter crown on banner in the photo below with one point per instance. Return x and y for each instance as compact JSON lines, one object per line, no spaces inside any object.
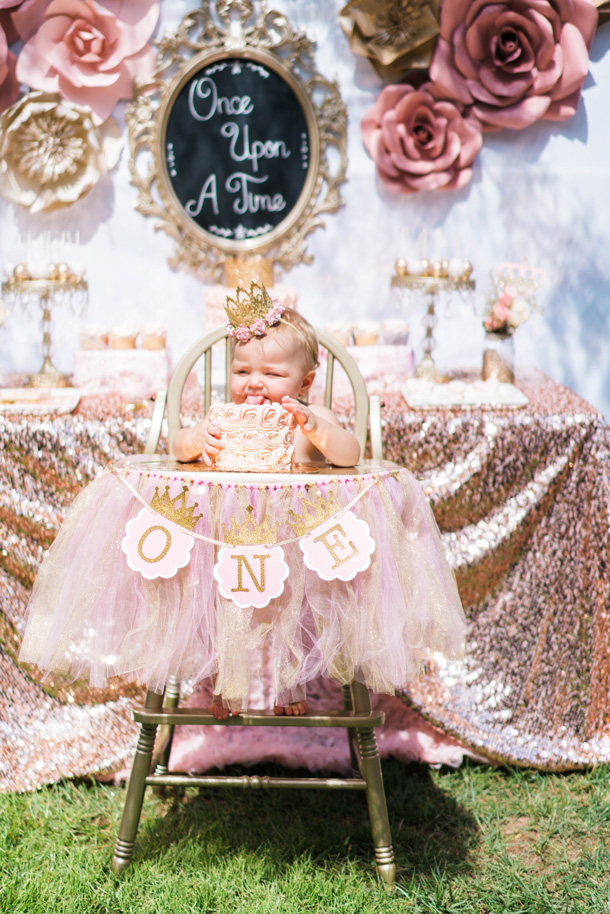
{"x":249,"y":307}
{"x":182,"y":515}
{"x":250,"y":533}
{"x":315,"y":512}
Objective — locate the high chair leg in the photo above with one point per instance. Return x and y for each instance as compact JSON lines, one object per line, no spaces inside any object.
{"x":351,"y":731}
{"x":134,"y":797}
{"x":370,"y":766}
{"x":166,"y":731}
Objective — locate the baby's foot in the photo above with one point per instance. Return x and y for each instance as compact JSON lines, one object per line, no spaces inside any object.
{"x":295,"y":708}
{"x":219,"y":711}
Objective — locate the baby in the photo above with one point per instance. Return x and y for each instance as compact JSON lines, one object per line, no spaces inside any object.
{"x":274,"y":360}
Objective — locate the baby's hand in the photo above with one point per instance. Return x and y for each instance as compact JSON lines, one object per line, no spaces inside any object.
{"x":206,"y":439}
{"x":306,"y":419}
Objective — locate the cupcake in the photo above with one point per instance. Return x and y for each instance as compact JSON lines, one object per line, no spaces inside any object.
{"x":366,"y":333}
{"x":394,"y":332}
{"x":153,"y":336}
{"x":93,"y":336}
{"x":123,"y":337}
{"x":341,"y":331}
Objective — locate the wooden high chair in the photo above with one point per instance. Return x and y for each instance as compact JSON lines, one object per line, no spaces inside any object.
{"x":150,"y":766}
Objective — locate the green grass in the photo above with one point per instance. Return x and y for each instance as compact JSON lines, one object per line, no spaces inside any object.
{"x":472,"y":841}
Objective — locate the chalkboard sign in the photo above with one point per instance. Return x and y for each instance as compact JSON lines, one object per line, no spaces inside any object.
{"x":239,"y":148}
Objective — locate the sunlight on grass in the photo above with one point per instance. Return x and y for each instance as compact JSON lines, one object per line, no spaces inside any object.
{"x":476,"y":840}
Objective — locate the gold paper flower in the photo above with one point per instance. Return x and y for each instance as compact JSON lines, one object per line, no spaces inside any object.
{"x":396,"y":35}
{"x":51,"y":152}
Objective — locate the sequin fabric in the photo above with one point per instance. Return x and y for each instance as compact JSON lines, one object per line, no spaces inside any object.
{"x":522,"y":498}
{"x":55,"y":728}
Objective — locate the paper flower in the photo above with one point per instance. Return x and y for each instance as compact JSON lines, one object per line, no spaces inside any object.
{"x":29,"y":12}
{"x":513,"y":61}
{"x":420,"y":141}
{"x":9,"y":87}
{"x":90,"y":52}
{"x":396,"y":35}
{"x":51,"y":152}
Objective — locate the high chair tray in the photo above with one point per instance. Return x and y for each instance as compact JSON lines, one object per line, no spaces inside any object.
{"x":157,"y":464}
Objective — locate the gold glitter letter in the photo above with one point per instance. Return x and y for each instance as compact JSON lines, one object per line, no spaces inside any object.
{"x":164,"y":551}
{"x":242,"y":560}
{"x":335,"y":544}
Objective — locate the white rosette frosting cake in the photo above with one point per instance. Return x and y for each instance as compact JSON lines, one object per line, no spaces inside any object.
{"x":254,"y":438}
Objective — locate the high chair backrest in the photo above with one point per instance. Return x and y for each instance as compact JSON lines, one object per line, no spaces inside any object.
{"x":335,"y":352}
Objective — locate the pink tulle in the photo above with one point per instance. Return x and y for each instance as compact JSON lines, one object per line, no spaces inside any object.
{"x":90,"y":614}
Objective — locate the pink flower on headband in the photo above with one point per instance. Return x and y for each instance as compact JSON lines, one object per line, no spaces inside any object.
{"x":273,"y":314}
{"x":242,"y":333}
{"x":259,"y":327}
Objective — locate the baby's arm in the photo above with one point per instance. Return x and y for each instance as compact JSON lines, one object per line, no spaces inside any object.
{"x":320,"y":426}
{"x":201,"y":440}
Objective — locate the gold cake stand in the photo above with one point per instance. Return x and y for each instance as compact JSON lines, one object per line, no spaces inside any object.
{"x":432,"y":287}
{"x":61,"y":288}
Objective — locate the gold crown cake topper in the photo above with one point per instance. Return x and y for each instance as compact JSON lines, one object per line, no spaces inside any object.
{"x":182,"y":515}
{"x":250,"y":533}
{"x":251,"y":313}
{"x":315,"y":512}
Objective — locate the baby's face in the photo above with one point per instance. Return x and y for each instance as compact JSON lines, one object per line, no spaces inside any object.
{"x":263,"y":371}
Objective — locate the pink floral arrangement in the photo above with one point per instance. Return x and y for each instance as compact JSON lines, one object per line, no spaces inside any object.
{"x":502,"y":64}
{"x":513,"y":297}
{"x":506,"y":313}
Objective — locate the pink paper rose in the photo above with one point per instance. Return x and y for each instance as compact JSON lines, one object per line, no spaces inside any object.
{"x":515,"y":61}
{"x":9,"y":87}
{"x":89,"y":51}
{"x":419,"y":140}
{"x":259,"y":327}
{"x":30,"y":13}
{"x":242,"y":333}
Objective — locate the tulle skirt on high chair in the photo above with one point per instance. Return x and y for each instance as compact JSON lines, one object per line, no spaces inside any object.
{"x":92,"y":614}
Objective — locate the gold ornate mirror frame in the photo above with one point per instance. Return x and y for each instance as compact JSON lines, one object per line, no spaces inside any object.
{"x":227,"y":36}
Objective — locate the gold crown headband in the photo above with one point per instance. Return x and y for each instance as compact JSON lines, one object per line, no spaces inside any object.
{"x":252,"y":313}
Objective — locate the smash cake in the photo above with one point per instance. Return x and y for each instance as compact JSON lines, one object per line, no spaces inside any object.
{"x":241,"y":271}
{"x":254,"y":438}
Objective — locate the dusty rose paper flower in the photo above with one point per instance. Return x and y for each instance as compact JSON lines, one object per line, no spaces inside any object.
{"x":30,"y":12}
{"x":515,"y":61}
{"x":420,"y":141}
{"x":9,"y":87}
{"x":51,"y":152}
{"x":91,"y":51}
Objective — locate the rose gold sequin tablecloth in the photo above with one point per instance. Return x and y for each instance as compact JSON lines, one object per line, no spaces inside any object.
{"x":522,"y":498}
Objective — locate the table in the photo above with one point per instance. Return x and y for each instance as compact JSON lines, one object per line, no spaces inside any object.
{"x":522,"y":498}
